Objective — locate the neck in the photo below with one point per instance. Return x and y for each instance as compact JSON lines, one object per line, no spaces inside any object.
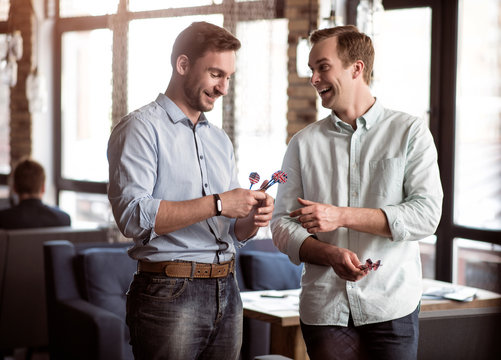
{"x":350,"y":114}
{"x":29,"y":196}
{"x":173,"y":92}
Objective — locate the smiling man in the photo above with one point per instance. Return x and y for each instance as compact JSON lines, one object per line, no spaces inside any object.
{"x":174,"y":190}
{"x":362,"y":183}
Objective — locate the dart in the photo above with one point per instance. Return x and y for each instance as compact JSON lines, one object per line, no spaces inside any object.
{"x":277,"y":177}
{"x":253,"y":178}
{"x":369,"y":265}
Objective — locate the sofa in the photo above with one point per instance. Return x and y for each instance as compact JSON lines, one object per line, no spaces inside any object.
{"x":23,"y":317}
{"x":86,"y":288}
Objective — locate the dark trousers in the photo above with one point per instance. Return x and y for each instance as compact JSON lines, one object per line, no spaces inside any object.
{"x":182,"y":319}
{"x":390,"y":340}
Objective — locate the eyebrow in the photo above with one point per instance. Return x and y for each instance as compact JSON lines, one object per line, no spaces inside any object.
{"x":319,"y":61}
{"x":215,"y":69}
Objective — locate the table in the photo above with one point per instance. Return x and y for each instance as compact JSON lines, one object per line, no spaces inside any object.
{"x":283,"y":313}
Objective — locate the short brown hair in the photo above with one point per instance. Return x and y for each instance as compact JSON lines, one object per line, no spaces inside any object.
{"x":200,"y":37}
{"x":29,"y":177}
{"x":352,"y":45}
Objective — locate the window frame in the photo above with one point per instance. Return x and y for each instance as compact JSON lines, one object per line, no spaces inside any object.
{"x":444,"y":56}
{"x":240,"y":12}
{"x":4,"y":178}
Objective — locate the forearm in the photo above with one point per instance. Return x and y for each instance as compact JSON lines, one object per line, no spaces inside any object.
{"x":175,"y":215}
{"x":316,"y":252}
{"x":245,"y":228}
{"x":372,"y":221}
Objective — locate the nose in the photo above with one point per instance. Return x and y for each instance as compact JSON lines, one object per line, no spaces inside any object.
{"x":222,"y":86}
{"x":315,"y":78}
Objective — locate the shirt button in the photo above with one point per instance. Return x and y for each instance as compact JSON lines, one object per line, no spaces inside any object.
{"x":206,"y":185}
{"x":201,"y":157}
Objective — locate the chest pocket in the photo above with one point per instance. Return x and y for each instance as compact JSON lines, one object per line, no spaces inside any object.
{"x":387,"y":177}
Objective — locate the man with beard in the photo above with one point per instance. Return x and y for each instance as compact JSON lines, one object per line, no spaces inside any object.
{"x":174,"y":190}
{"x":362,"y":183}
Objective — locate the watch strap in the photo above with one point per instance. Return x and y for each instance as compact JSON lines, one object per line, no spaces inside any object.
{"x":218,"y":204}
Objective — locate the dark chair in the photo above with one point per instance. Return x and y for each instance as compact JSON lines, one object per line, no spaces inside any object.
{"x":86,"y":287}
{"x":23,"y":317}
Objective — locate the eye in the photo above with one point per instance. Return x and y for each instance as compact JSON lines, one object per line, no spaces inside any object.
{"x":323,"y":67}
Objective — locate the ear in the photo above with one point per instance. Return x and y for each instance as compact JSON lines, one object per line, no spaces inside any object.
{"x":182,"y":64}
{"x":357,"y":68}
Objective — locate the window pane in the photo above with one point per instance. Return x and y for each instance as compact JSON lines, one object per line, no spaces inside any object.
{"x":150,"y":75}
{"x":261,"y":98}
{"x":477,"y":264}
{"x":4,"y":125}
{"x":427,"y":247}
{"x":402,"y":62}
{"x":69,"y":8}
{"x":86,"y":104}
{"x":141,"y":5}
{"x":477,"y":201}
{"x":4,"y":10}
{"x":86,"y":209}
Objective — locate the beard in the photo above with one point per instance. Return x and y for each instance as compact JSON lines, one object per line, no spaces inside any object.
{"x":196,"y":96}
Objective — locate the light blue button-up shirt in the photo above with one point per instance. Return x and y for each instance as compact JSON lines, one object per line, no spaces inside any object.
{"x":388,"y":162}
{"x":155,"y":153}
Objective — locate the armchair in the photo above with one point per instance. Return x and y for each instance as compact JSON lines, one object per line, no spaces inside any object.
{"x":85,"y":293}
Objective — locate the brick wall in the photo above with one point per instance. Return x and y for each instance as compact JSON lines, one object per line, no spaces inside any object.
{"x":301,"y":105}
{"x":21,"y":18}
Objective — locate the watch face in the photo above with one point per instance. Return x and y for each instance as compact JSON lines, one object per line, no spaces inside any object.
{"x":219,"y":205}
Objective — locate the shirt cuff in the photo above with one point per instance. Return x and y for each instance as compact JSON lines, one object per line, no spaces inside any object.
{"x":288,"y":237}
{"x":396,"y":223}
{"x":148,"y":211}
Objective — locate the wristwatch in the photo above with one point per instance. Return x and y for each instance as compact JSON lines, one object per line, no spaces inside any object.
{"x":219,"y":204}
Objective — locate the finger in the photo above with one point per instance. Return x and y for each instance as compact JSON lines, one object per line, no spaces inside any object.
{"x":305,"y":202}
{"x":313,"y":229}
{"x":296,"y":213}
{"x":259,"y":195}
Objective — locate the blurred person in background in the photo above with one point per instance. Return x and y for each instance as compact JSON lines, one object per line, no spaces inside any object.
{"x":29,"y":186}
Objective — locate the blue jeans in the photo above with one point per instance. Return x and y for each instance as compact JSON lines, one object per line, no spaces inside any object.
{"x":181,"y":318}
{"x":390,"y":340}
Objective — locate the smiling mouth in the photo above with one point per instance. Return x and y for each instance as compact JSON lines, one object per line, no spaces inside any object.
{"x":322,"y":92}
{"x":213,"y":97}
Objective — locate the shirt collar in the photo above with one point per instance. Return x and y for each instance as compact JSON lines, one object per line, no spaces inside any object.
{"x":175,"y":113}
{"x":368,"y":119}
{"x":372,"y":115}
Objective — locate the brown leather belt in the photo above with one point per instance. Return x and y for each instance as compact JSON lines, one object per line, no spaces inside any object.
{"x":178,"y":269}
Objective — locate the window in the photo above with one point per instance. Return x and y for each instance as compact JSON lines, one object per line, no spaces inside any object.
{"x":409,"y":31}
{"x":115,"y":57}
{"x":85,"y":104}
{"x":71,"y":8}
{"x":4,"y":97}
{"x":478,"y":116}
{"x":4,"y":10}
{"x":477,"y":185}
{"x":261,"y":99}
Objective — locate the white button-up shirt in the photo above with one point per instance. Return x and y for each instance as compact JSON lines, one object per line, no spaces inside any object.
{"x":388,"y":162}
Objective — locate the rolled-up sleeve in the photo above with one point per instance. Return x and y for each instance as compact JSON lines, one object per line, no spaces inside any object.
{"x":288,"y":234}
{"x":419,"y":214}
{"x":132,"y":157}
